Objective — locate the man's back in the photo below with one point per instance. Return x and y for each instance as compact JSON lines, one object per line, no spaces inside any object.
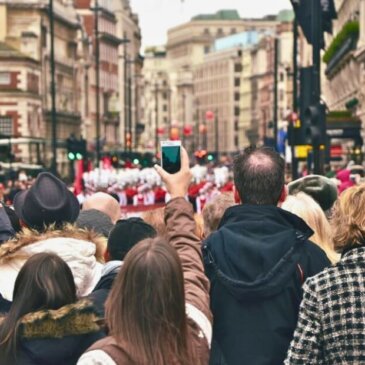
{"x":256,"y":263}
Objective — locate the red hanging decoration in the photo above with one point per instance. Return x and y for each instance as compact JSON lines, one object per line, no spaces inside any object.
{"x":188,"y":130}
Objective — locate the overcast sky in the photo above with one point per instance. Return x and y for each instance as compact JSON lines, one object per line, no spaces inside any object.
{"x":157,"y":16}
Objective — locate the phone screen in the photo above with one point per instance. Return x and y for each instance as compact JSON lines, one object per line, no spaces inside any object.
{"x":171,"y":159}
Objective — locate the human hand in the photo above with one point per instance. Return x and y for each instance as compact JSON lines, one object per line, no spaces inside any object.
{"x":177,"y":184}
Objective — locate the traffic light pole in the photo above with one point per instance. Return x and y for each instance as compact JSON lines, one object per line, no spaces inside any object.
{"x":317,"y":34}
{"x":216,"y":134}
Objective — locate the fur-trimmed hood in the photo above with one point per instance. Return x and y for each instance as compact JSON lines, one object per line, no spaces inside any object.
{"x":58,"y":336}
{"x":10,"y":249}
{"x":81,"y":249}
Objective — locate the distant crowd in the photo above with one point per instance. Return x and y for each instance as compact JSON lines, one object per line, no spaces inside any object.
{"x":235,"y":267}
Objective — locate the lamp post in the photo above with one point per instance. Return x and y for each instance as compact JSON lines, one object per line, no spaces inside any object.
{"x":156,"y":119}
{"x":53,"y":91}
{"x":276,"y":80}
{"x":97,"y":80}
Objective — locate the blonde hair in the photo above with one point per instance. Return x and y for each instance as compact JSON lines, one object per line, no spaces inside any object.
{"x":309,"y":210}
{"x":213,"y":211}
{"x":348,"y":219}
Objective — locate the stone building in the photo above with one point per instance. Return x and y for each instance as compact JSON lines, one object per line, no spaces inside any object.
{"x":130,"y":75}
{"x":108,"y":69}
{"x":25,"y":81}
{"x":217,"y":89}
{"x":156,"y":103}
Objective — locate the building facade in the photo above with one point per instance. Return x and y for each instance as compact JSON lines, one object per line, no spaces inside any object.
{"x":26,"y":80}
{"x":217,"y":89}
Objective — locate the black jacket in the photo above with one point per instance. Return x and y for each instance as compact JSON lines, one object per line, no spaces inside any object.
{"x":257,"y":262}
{"x":57,"y":337}
{"x":101,"y":291}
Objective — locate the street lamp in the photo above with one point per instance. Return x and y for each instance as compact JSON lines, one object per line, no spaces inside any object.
{"x":53,"y":91}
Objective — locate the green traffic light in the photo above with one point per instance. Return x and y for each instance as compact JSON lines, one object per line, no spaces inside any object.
{"x":71,"y":156}
{"x":210,"y":158}
{"x":136,"y":161}
{"x":79,"y":156}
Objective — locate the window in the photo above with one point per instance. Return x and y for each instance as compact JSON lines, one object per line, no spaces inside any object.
{"x":164,"y":95}
{"x":236,"y":111}
{"x":220,"y":31}
{"x":44,"y":36}
{"x":238,"y":67}
{"x":164,"y":108}
{"x":281,"y":76}
{"x":237,"y":81}
{"x":236,"y":141}
{"x":236,"y":96}
{"x":236,"y":126}
{"x":5,"y":78}
{"x":233,"y":30}
{"x":206,"y":31}
{"x":6,"y":126}
{"x":206,"y":49}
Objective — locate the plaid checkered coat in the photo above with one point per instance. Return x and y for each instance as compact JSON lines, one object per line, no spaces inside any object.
{"x":331,"y":324}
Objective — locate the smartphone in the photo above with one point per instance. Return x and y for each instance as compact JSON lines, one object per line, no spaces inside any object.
{"x":171,"y":161}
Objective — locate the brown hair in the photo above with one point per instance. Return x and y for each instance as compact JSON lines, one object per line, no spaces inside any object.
{"x":156,"y":218}
{"x":146,"y":307}
{"x":348,"y":219}
{"x":44,"y":282}
{"x":214,"y":211}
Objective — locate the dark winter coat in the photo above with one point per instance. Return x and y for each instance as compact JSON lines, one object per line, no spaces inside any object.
{"x":257,"y":262}
{"x":331,"y":327}
{"x":6,"y":229}
{"x":57,"y":337}
{"x":102,"y":289}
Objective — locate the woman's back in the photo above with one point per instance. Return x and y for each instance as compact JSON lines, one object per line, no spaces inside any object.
{"x":333,"y":310}
{"x":57,"y":337}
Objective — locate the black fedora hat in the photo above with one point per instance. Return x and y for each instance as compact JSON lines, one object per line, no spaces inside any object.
{"x":48,"y":201}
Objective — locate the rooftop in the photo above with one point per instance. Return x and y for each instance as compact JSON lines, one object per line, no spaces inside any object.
{"x":219,"y":15}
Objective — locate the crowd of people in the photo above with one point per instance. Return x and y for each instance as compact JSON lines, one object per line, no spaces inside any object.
{"x":260,"y":272}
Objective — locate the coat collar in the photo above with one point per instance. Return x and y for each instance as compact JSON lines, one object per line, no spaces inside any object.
{"x":10,"y":249}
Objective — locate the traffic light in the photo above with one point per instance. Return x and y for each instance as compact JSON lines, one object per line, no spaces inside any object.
{"x":76,"y":148}
{"x":315,"y":125}
{"x":201,"y":156}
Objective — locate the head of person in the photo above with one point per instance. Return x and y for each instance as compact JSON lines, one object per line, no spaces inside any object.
{"x":322,"y":189}
{"x":104,"y":203}
{"x":146,"y":306}
{"x":44,"y":282}
{"x":125,"y":235}
{"x":47,"y":202}
{"x":259,"y":177}
{"x":309,"y":210}
{"x":95,"y":220}
{"x":348,"y":219}
{"x":156,"y":218}
{"x":213,"y":211}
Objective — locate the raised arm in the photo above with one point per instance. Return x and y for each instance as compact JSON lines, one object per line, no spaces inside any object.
{"x":181,"y":228}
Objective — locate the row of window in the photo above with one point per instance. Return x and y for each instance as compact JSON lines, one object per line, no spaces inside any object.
{"x":108,"y":53}
{"x":219,"y":32}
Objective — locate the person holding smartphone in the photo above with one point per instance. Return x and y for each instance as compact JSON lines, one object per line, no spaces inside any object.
{"x":158,"y":309}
